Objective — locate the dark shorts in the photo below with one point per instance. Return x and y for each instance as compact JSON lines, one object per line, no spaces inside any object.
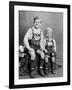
{"x":50,"y":50}
{"x":51,"y":54}
{"x":35,"y":47}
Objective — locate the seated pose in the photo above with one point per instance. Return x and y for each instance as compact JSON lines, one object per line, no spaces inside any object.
{"x":33,"y":42}
{"x":50,"y":46}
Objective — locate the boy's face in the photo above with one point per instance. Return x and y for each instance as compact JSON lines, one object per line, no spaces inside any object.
{"x":21,"y":48}
{"x":49,"y":34}
{"x":37,"y":23}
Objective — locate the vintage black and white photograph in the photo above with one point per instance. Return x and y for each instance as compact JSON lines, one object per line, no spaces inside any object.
{"x":40,"y":45}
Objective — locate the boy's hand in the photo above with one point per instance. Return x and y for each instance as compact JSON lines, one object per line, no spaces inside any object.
{"x":54,"y":50}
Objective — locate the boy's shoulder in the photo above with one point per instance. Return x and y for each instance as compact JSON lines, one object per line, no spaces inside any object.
{"x":47,"y":38}
{"x":29,"y":30}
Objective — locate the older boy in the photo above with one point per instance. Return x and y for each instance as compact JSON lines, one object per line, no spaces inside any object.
{"x":33,"y":41}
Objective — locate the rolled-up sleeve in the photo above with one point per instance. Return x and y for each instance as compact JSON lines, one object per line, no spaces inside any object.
{"x":42,"y":45}
{"x":27,"y":37}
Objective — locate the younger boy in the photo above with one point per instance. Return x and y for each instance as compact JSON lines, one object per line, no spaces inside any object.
{"x":50,"y":46}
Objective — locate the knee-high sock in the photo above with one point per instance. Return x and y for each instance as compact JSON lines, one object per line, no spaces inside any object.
{"x":41,"y":63}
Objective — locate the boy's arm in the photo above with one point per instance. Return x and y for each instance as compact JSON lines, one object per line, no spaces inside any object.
{"x":54,"y":45}
{"x":43,"y":42}
{"x":42,"y":38}
{"x":27,"y":37}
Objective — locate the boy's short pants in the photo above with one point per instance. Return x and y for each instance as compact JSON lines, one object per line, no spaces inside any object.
{"x":34,"y":45}
{"x":51,"y":52}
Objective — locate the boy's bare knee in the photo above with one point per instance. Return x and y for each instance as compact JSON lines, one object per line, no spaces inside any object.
{"x":42,"y":55}
{"x":32,"y":55}
{"x":46,"y":60}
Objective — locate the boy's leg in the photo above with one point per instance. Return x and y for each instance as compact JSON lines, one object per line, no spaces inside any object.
{"x":53,"y":64}
{"x":41,"y":69}
{"x":46,"y":64}
{"x":32,"y":64}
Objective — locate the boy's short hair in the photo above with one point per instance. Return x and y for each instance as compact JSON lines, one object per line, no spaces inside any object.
{"x":48,"y":29}
{"x":36,"y":18}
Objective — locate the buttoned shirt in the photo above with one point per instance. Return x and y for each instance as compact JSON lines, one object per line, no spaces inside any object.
{"x":29,"y":36}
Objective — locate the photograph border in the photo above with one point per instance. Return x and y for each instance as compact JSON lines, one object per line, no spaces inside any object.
{"x":11,"y":43}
